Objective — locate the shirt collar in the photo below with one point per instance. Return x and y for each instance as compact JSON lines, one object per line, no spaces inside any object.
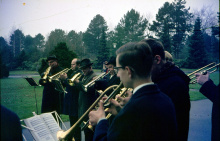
{"x":140,"y":86}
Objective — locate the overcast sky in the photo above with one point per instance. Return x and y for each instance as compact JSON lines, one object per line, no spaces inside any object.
{"x":43,"y":16}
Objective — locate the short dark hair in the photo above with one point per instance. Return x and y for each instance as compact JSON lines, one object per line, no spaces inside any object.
{"x":156,"y":47}
{"x":138,"y":56}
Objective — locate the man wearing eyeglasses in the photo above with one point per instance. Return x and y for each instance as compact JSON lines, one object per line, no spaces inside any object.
{"x":111,"y":78}
{"x":52,"y":99}
{"x":149,"y":114}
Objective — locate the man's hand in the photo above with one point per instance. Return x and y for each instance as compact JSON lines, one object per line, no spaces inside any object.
{"x":95,"y":116}
{"x":124,"y":100}
{"x":119,"y":103}
{"x":114,"y":108}
{"x":201,"y":79}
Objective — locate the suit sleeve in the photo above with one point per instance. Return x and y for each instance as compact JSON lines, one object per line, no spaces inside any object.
{"x":101,"y":131}
{"x":210,"y":90}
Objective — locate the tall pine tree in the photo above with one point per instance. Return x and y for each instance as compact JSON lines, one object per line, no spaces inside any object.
{"x":197,"y":55}
{"x":103,"y":53}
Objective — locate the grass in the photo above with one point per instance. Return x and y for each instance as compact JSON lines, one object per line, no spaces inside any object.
{"x":17,"y":95}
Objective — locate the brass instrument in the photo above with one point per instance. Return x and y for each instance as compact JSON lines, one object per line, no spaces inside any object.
{"x":57,"y":75}
{"x":212,"y":67}
{"x":67,"y":135}
{"x":71,"y":81}
{"x":44,"y":78}
{"x":91,"y":83}
{"x":122,"y":94}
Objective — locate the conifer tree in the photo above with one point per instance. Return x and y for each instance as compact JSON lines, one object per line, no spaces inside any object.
{"x":197,"y":55}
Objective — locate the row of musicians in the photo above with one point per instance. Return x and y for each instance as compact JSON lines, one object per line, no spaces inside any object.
{"x":169,"y":78}
{"x":76,"y":100}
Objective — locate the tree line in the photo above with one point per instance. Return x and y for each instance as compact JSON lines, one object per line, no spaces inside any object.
{"x":192,"y":39}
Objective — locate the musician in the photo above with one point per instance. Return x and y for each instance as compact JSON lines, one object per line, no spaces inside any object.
{"x":149,"y":114}
{"x":52,"y":99}
{"x":86,"y":98}
{"x":70,"y":104}
{"x":211,"y":91}
{"x":10,"y":125}
{"x":174,"y":83}
{"x":168,"y":56}
{"x":111,"y":78}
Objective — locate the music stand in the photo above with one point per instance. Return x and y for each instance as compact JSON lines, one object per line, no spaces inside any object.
{"x":32,"y":82}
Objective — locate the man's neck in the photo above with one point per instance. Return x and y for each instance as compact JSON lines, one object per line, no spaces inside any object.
{"x":141,"y":81}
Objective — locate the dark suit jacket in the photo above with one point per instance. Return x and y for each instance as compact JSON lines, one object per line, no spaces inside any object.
{"x":175,"y":83}
{"x":70,"y":104}
{"x":149,"y":115}
{"x":211,"y":91}
{"x":85,"y":98}
{"x":10,"y":126}
{"x":52,"y":99}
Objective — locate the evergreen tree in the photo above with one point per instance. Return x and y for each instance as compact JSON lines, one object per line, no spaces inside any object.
{"x":93,"y":34}
{"x":64,"y":55}
{"x":181,"y":18}
{"x":163,"y":25}
{"x":39,"y":41}
{"x":5,"y":51}
{"x":130,"y":28}
{"x":103,"y":54}
{"x":55,"y":37}
{"x":4,"y":72}
{"x":17,"y":42}
{"x":197,"y":55}
{"x":75,"y":43}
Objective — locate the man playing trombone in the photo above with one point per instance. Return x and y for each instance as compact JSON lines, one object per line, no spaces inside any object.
{"x":149,"y":114}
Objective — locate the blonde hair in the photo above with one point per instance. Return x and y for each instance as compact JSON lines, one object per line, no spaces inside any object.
{"x":168,"y":57}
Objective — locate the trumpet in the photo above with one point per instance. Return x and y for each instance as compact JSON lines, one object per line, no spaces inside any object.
{"x":67,"y":135}
{"x":44,"y":78}
{"x":71,"y":81}
{"x":212,"y":67}
{"x":57,"y":75}
{"x":121,"y":94}
{"x":91,"y":83}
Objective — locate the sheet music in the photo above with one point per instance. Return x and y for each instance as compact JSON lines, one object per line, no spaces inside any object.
{"x":45,"y":127}
{"x":51,"y":124}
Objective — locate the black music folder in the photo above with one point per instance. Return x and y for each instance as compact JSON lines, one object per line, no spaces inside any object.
{"x":32,"y":82}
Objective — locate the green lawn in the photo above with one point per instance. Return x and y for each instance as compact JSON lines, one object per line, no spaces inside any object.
{"x":17,"y":95}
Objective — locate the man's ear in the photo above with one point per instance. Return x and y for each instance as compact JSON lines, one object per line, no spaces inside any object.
{"x":129,"y":71}
{"x":158,"y":59}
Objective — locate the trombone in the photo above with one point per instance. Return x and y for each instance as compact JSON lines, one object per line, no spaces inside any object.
{"x":67,"y":135}
{"x":91,"y":83}
{"x":212,"y":67}
{"x":122,"y":94}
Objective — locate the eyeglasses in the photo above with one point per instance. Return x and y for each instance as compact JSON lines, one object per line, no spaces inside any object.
{"x":116,"y":69}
